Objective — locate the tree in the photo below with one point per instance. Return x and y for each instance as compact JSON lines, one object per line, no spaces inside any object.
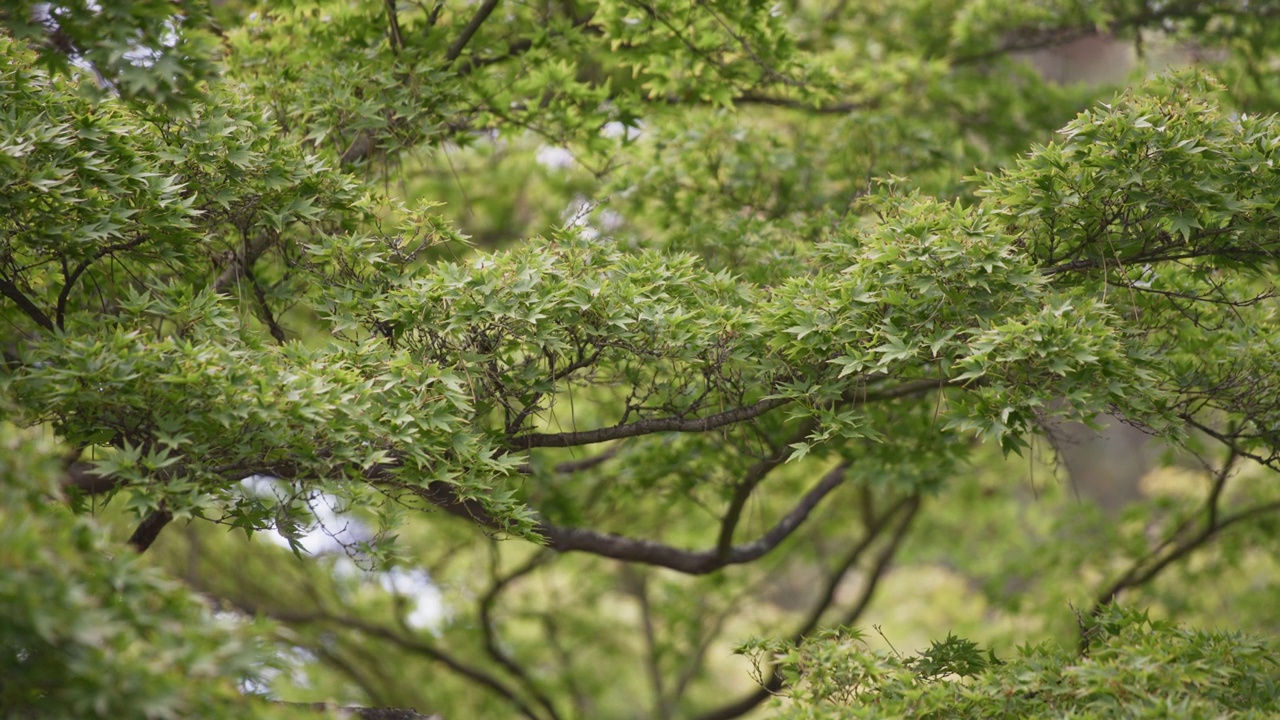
{"x":631,"y":329}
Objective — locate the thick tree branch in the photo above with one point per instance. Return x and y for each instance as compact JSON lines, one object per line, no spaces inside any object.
{"x":28,"y":308}
{"x":460,"y":44}
{"x":82,"y":478}
{"x":149,"y":529}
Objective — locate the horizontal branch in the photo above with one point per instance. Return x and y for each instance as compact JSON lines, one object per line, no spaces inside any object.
{"x":645,"y":427}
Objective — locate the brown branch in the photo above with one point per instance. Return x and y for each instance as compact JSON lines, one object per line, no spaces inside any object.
{"x":235,"y":269}
{"x":751,"y":700}
{"x":364,"y":713}
{"x":692,"y":562}
{"x":11,"y":291}
{"x":568,"y":467}
{"x":645,"y":427}
{"x":652,"y":664}
{"x":149,"y":529}
{"x":839,"y":108}
{"x":273,"y":326}
{"x":482,"y":14}
{"x":753,"y":478}
{"x":1146,"y":568}
{"x":81,"y":477}
{"x":69,"y":282}
{"x":393,"y":27}
{"x":515,"y":48}
{"x":883,"y":560}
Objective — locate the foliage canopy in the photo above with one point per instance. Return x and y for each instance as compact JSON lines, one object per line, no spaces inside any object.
{"x":606,"y":323}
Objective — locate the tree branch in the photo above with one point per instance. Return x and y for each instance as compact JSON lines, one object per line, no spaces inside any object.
{"x":750,"y":701}
{"x":364,"y":713}
{"x":69,"y":281}
{"x":149,"y":529}
{"x":482,"y":14}
{"x":529,"y":441}
{"x":751,"y":480}
{"x":393,"y":27}
{"x":692,"y":562}
{"x":1145,"y":569}
{"x":239,"y":262}
{"x":11,"y":291}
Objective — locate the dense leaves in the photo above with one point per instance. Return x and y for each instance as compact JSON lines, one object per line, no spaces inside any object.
{"x":1133,"y":667}
{"x":88,"y":631}
{"x":620,"y":331}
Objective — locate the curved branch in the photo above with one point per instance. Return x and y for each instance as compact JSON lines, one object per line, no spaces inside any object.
{"x":28,"y":308}
{"x":753,"y":478}
{"x":711,"y":422}
{"x":149,"y":529}
{"x":72,"y":277}
{"x":692,"y":562}
{"x":1145,"y":569}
